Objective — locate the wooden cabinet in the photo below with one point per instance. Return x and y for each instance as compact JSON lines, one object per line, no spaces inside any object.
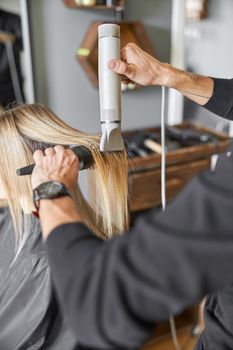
{"x":145,"y":188}
{"x":181,"y":165}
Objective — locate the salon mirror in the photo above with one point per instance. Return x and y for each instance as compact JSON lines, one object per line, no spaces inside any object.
{"x":16,"y":81}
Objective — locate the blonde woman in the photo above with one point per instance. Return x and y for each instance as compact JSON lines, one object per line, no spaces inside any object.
{"x":29,"y":315}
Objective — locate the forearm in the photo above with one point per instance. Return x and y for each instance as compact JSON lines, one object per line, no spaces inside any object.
{"x":140,"y":67}
{"x":214,"y":94}
{"x":196,"y":87}
{"x":56,"y":212}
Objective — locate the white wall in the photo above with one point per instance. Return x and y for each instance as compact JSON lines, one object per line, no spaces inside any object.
{"x":10,"y":5}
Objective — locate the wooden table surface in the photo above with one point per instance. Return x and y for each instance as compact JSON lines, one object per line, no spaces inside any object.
{"x":186,"y":340}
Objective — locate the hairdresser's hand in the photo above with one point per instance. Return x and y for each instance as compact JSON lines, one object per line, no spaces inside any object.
{"x":141,"y":68}
{"x":58,"y":164}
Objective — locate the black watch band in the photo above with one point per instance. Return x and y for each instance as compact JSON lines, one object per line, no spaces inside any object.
{"x":49,"y":190}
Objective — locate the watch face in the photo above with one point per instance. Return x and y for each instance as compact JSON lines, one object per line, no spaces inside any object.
{"x":50,"y":189}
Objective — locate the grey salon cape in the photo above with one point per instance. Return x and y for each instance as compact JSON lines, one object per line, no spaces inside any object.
{"x":30,"y":318}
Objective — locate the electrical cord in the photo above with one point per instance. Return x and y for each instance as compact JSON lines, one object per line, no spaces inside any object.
{"x":163,"y":197}
{"x":163,"y":154}
{"x":174,"y":333}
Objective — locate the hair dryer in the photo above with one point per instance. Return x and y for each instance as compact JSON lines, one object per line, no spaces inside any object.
{"x":109,"y":89}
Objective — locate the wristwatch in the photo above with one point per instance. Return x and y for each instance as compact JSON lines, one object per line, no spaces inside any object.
{"x":49,"y":190}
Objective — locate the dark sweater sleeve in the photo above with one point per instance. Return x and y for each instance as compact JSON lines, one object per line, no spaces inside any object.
{"x":112,"y":293}
{"x":221,"y":102}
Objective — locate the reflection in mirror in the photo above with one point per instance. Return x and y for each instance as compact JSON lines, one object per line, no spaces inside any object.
{"x":16,"y":72}
{"x":11,"y":46}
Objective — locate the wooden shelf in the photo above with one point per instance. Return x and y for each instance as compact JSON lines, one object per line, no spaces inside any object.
{"x":72,"y":4}
{"x":95,"y":7}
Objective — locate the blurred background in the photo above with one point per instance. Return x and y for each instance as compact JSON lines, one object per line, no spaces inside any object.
{"x":52,"y":33}
{"x":48,"y":54}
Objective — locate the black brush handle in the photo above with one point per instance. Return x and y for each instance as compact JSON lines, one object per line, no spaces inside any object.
{"x":27,"y":170}
{"x":84,"y":155}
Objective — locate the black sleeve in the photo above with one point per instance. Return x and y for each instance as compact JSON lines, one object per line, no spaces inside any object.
{"x":221,"y":102}
{"x":112,"y":293}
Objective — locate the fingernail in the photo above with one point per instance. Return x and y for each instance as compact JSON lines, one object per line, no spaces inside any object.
{"x":112,"y":64}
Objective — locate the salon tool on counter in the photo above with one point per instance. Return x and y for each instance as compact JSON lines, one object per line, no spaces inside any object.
{"x":189,"y":137}
{"x":135,"y":150}
{"x":152,"y":140}
{"x":153,"y":146}
{"x":136,"y":146}
{"x":142,"y":142}
{"x":145,"y":143}
{"x":109,"y":89}
{"x":83,"y":153}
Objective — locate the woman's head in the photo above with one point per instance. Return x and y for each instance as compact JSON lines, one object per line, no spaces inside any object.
{"x":24,"y":129}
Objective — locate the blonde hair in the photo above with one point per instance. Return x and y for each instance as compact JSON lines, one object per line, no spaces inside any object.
{"x":26,"y":128}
